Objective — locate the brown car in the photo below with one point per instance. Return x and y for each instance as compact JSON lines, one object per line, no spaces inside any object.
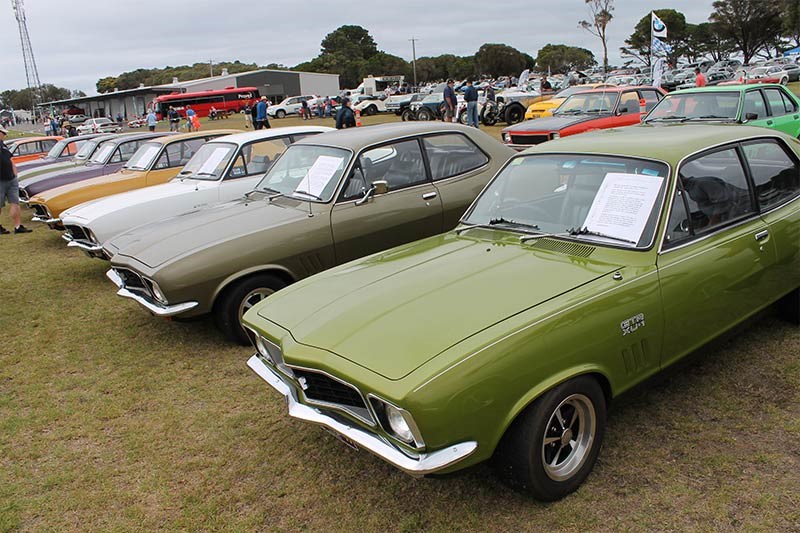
{"x":327,"y":200}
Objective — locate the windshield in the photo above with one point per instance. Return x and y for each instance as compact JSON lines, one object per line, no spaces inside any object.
{"x":102,"y":153}
{"x":588,"y":103}
{"x":605,"y":199}
{"x":144,"y":156}
{"x":57,"y":148}
{"x":86,"y":150}
{"x":210,"y":162}
{"x":307,"y":172}
{"x":696,"y":106}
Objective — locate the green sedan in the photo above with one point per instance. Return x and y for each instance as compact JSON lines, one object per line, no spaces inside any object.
{"x":587,"y":265}
{"x":769,"y":105}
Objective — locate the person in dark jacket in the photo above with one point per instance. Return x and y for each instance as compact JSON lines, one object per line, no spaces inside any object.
{"x":345,"y":117}
{"x":261,"y":114}
{"x":9,"y":186}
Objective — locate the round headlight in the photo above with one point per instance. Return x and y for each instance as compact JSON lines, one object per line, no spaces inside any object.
{"x":263,"y":348}
{"x":157,"y":294}
{"x":506,"y":137}
{"x":398,"y":424}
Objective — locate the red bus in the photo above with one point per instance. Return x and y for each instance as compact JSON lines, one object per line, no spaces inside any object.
{"x":230,"y":99}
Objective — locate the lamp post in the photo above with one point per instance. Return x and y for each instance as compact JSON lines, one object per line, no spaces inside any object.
{"x":414,"y":59}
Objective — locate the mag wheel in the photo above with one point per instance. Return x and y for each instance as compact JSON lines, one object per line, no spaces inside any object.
{"x":238,"y":299}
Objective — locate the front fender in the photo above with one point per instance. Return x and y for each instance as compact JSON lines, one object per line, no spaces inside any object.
{"x":256,"y":269}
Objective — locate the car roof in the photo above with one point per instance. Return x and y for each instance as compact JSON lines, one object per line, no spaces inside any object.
{"x":38,"y":138}
{"x":248,"y":136}
{"x":717,"y":88}
{"x":120,"y":137}
{"x":358,"y":138}
{"x":661,"y":142}
{"x":165,"y":137}
{"x":617,"y":89}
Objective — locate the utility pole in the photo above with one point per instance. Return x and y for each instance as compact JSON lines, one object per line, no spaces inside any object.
{"x":414,"y":58}
{"x":211,"y":67}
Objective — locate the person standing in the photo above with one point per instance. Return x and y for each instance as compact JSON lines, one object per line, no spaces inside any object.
{"x":174,"y":119}
{"x":471,"y":97}
{"x":327,"y":106}
{"x":189,"y":114}
{"x":699,"y":78}
{"x":345,"y":117}
{"x":305,"y":112}
{"x":248,"y":117}
{"x":450,"y":102}
{"x":152,"y":120}
{"x":261,"y":114}
{"x":9,"y":186}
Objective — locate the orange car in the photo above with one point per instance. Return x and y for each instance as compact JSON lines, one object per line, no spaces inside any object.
{"x":30,"y":148}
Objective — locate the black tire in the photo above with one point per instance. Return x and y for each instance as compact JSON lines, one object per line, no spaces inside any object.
{"x":514,"y":113}
{"x":523,"y":454}
{"x":371,"y":110}
{"x":407,"y":115}
{"x":789,"y":307}
{"x":280,"y":113}
{"x":230,"y":306}
{"x":424,"y":114}
{"x":488,"y":119}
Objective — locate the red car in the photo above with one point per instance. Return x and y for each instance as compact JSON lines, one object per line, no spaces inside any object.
{"x":594,"y":109}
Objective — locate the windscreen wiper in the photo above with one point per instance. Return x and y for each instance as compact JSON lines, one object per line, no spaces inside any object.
{"x":665,"y":119}
{"x":586,"y":231}
{"x":526,"y":238}
{"x":311,"y":195}
{"x":500,"y":221}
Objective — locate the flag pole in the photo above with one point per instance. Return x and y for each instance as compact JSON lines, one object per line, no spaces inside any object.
{"x":650,"y":58}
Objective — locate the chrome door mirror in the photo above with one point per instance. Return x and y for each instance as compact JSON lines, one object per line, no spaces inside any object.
{"x":380,"y":186}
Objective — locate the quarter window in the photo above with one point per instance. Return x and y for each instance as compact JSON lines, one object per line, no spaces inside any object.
{"x":788,"y":104}
{"x":716,"y":190}
{"x":678,"y":227}
{"x":754,"y":104}
{"x":775,"y":100}
{"x":775,"y":174}
{"x":451,"y":155}
{"x":651,"y":98}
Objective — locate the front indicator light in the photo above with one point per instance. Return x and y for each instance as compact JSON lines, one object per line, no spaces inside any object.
{"x":555,"y":135}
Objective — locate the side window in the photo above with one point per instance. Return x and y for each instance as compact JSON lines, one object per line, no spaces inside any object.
{"x":678,"y":227}
{"x":716,"y":190}
{"x":629,"y":101}
{"x":238,"y":169}
{"x":47,"y":145}
{"x":788,"y":104}
{"x":776,"y":175}
{"x":400,"y":164}
{"x":754,"y":103}
{"x":651,"y":98}
{"x":451,"y":155}
{"x":26,"y":148}
{"x":259,"y":156}
{"x":775,"y":100}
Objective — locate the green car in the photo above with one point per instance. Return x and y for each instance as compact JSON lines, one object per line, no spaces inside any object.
{"x":587,"y":264}
{"x":770,"y":105}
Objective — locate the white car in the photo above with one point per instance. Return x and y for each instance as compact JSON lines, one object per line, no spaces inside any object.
{"x":370,"y":106}
{"x":289,"y":106}
{"x":223,"y":169}
{"x":99,"y":125}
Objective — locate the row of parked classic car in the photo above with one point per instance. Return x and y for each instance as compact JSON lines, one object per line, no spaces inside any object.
{"x":428,"y":294}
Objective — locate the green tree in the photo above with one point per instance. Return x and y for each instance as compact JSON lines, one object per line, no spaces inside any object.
{"x":352,"y":41}
{"x":600,"y":11}
{"x":106,"y":85}
{"x":791,"y":21}
{"x":500,"y":59}
{"x":751,"y":24}
{"x":562,"y":58}
{"x":705,"y":40}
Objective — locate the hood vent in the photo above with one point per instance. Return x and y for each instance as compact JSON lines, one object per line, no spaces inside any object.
{"x":563,"y":247}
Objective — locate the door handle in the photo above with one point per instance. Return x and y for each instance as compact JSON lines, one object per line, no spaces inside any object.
{"x":429,"y":196}
{"x":769,"y":123}
{"x":761,"y":235}
{"x":797,"y":117}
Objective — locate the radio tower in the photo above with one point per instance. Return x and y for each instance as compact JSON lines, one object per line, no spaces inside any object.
{"x":31,"y":73}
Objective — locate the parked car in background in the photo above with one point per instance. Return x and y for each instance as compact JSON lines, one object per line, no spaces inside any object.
{"x":581,"y":270}
{"x":714,"y":77}
{"x":32,"y":148}
{"x":773,"y":74}
{"x":769,"y":106}
{"x":99,"y":125}
{"x":83,"y":155}
{"x":544,"y":108}
{"x":610,"y":107}
{"x":221,"y":170}
{"x":63,"y":150}
{"x":289,"y":106}
{"x":156,"y":161}
{"x":516,"y":100}
{"x":371,"y":105}
{"x":77,"y":119}
{"x":328,"y":199}
{"x":108,"y":157}
{"x":399,"y":103}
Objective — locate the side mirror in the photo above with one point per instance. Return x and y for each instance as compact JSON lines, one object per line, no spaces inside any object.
{"x":380,"y":186}
{"x":622,"y":110}
{"x":751,"y":116}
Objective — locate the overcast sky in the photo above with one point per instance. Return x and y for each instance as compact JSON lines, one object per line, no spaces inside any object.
{"x":77,"y":42}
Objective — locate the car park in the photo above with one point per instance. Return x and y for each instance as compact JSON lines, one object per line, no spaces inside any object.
{"x":99,"y":125}
{"x":222,"y":170}
{"x":328,"y":199}
{"x":32,"y":148}
{"x":544,"y":108}
{"x":584,"y":111}
{"x":289,"y":106}
{"x":156,"y":161}
{"x":63,"y":150}
{"x":84,"y":154}
{"x":586,"y":266}
{"x":713,"y":77}
{"x":108,"y":157}
{"x":770,"y":106}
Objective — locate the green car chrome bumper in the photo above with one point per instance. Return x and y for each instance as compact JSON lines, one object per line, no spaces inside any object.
{"x":417,"y":465}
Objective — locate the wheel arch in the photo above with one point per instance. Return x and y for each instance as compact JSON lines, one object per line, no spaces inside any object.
{"x":281,"y":272}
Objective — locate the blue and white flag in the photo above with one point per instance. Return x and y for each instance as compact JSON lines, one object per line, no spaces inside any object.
{"x":659,"y":47}
{"x":657,"y":26}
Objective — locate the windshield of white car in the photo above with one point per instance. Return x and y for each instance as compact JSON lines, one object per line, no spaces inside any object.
{"x":722,"y":105}
{"x":102,"y":153}
{"x":602,"y":102}
{"x":144,"y":156}
{"x":209,"y":162}
{"x":609,"y":200}
{"x":307,"y":172}
{"x":86,"y":150}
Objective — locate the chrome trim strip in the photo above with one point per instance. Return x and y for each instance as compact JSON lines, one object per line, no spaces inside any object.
{"x":336,"y":406}
{"x":420,"y":464}
{"x":84,"y":246}
{"x":158,"y":310}
{"x":37,"y":218}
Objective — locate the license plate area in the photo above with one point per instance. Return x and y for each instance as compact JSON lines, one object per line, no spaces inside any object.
{"x":347,"y":441}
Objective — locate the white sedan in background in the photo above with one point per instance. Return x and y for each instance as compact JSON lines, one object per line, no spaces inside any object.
{"x":370,"y":106}
{"x":223,"y":169}
{"x":99,"y":125}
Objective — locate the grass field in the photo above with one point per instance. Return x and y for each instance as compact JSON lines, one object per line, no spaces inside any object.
{"x":111,"y":419}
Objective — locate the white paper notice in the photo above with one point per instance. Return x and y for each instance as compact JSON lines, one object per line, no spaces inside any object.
{"x":319,"y":174}
{"x":622,"y":205}
{"x":214,"y":160}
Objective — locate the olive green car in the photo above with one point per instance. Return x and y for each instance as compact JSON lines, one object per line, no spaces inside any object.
{"x":588,"y":264}
{"x":327,"y":200}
